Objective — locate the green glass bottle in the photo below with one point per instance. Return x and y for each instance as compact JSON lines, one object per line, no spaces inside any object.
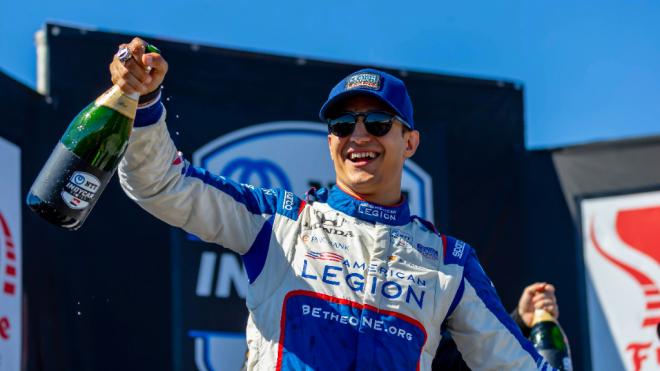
{"x":84,"y":160}
{"x":550,"y":341}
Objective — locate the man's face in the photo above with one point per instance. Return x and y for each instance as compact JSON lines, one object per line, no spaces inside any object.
{"x":352,"y":155}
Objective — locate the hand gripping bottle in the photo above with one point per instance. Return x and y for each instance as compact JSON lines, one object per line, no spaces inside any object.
{"x":84,"y":159}
{"x":550,"y":341}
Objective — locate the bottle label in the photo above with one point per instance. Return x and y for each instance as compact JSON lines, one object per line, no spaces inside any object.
{"x":79,"y":191}
{"x":115,"y":99}
{"x":69,"y":184}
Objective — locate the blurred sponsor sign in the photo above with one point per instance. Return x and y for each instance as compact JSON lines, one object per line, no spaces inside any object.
{"x":10,"y":258}
{"x":621,"y":249}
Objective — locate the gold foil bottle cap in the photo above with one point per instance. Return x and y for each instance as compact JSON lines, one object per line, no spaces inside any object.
{"x":114,"y":98}
{"x":542,"y":315}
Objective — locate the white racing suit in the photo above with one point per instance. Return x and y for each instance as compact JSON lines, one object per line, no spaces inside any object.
{"x":336,"y":283}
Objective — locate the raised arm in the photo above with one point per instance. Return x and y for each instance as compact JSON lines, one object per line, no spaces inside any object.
{"x":162,"y":182}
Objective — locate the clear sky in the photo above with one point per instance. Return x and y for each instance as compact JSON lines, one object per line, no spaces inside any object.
{"x":591,"y":70}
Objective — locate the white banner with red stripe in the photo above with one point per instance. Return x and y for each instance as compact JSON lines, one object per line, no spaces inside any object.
{"x":10,"y":257}
{"x":621,"y":249}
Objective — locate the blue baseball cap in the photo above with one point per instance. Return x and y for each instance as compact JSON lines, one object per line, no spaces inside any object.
{"x":379,"y":84}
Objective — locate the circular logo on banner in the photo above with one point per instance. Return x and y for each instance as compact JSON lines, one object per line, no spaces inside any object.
{"x":294,"y":155}
{"x":269,"y":174}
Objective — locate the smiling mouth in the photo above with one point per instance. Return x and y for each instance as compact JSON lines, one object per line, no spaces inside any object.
{"x":362,"y":157}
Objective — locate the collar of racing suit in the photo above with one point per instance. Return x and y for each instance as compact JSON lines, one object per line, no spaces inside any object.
{"x":342,"y":201}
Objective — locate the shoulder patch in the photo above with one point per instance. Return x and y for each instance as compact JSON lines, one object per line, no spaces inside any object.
{"x":455,"y":251}
{"x":289,"y":204}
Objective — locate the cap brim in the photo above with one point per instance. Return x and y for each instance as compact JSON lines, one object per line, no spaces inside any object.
{"x":351,"y":93}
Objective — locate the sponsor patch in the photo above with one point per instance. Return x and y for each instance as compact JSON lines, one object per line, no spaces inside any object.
{"x":459,"y":247}
{"x":377,"y":211}
{"x":327,"y":219}
{"x":287,"y":204}
{"x":374,"y":279}
{"x":401,"y":238}
{"x":363,"y":80}
{"x":427,"y":252}
{"x":330,"y":223}
{"x":329,"y":256}
{"x":397,"y":233}
{"x":325,"y":241}
{"x":338,"y":325}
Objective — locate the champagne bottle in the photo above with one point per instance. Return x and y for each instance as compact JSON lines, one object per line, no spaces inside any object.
{"x":550,"y":340}
{"x":84,"y":160}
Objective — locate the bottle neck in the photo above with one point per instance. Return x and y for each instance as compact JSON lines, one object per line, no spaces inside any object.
{"x":116,"y":99}
{"x":115,"y":88}
{"x":541,"y":315}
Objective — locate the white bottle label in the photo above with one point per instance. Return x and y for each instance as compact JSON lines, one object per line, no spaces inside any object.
{"x":79,"y":191}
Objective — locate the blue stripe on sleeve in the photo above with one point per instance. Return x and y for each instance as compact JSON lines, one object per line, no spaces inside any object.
{"x":255,"y":258}
{"x":256,"y":200}
{"x":476,"y":276}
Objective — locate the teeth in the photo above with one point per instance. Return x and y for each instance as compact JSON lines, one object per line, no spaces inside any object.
{"x":357,"y":155}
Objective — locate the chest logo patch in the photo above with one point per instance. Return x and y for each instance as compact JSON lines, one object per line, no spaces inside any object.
{"x":428,"y":252}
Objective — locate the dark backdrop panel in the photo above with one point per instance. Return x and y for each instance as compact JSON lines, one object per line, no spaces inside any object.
{"x":117,"y":271}
{"x":550,"y":252}
{"x":608,"y":167}
{"x":20,"y":105}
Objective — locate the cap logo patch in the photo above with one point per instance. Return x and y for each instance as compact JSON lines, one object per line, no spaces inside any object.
{"x":363,"y":80}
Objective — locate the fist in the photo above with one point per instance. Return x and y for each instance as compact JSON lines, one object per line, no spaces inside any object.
{"x":538,"y":295}
{"x":143,"y":73}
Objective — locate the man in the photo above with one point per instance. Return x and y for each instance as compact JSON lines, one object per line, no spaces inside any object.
{"x":382,"y":304}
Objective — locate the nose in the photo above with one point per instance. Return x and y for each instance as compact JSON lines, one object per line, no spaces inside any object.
{"x":360,"y":134}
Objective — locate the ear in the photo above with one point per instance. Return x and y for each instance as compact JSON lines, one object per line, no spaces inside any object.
{"x":332,"y":155}
{"x":412,"y":142}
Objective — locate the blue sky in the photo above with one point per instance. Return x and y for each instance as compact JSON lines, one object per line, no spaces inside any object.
{"x":591,"y":70}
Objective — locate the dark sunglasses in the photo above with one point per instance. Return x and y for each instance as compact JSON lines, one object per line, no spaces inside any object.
{"x":377,"y":123}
